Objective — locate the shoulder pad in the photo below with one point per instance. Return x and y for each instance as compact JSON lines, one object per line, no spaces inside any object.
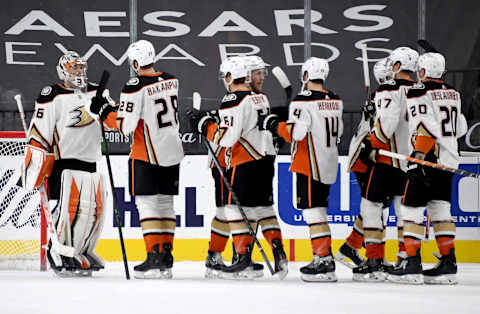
{"x":233,"y":99}
{"x":48,"y":93}
{"x":417,"y":90}
{"x":166,"y":76}
{"x":332,"y":95}
{"x":134,"y":84}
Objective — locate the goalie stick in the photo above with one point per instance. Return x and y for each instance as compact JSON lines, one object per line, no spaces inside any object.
{"x":56,"y":246}
{"x":429,"y":164}
{"x":101,"y":87}
{"x":197,"y":100}
{"x":366,"y":73}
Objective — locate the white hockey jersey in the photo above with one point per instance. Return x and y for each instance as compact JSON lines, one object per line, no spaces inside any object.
{"x":62,"y":124}
{"x":434,"y":110}
{"x":316,"y":119}
{"x":149,"y":108}
{"x":390,"y":131}
{"x":238,"y":130}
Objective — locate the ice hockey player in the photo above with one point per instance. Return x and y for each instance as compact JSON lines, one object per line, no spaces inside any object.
{"x":266,"y":215}
{"x":314,"y":128}
{"x":247,"y":157}
{"x":360,"y":165}
{"x":148,"y":109}
{"x":435,"y":123}
{"x":64,"y":127}
{"x":386,"y":177}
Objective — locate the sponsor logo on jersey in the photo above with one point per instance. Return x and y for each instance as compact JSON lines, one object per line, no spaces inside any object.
{"x":80,"y":118}
{"x":229,"y":97}
{"x":133,"y":81}
{"x":46,"y":91}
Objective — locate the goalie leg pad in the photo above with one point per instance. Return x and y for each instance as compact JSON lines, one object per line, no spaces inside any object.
{"x":38,"y":165}
{"x":157,"y":219}
{"x":80,"y":216}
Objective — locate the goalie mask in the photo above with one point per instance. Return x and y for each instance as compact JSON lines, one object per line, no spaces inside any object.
{"x":316,"y":69}
{"x":73,"y":69}
{"x":236,"y":67}
{"x":407,"y":58}
{"x":433,"y":64}
{"x":143,"y":52}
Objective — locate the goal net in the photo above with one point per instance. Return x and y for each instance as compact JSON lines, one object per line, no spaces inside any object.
{"x":22,"y":225}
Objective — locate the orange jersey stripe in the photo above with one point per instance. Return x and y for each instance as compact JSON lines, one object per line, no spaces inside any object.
{"x":139,"y":150}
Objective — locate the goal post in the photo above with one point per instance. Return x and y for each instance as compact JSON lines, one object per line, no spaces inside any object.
{"x":23,"y":236}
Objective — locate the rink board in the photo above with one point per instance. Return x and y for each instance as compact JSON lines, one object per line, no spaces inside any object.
{"x":195,"y":209}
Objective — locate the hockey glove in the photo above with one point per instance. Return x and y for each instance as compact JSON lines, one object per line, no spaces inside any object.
{"x":417,"y":172}
{"x":368,"y":154}
{"x":199,"y":120}
{"x":102,"y":106}
{"x":268,"y":123}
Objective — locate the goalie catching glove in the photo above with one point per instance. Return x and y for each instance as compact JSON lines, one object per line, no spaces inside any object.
{"x":102,"y":106}
{"x":199,"y":120}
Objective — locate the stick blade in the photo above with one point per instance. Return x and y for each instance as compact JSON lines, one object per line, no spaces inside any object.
{"x":281,"y":77}
{"x":426,"y":46}
{"x":197,"y":100}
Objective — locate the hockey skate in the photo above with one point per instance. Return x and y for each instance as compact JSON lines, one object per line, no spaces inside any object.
{"x":408,"y":272}
{"x":255,"y":269}
{"x":214,"y":265}
{"x":321,"y":269}
{"x":444,"y":272}
{"x":281,"y":263}
{"x":68,"y":268}
{"x":346,"y":251}
{"x":371,"y":270}
{"x":158,"y":265}
{"x":400,"y":257}
{"x":241,"y":268}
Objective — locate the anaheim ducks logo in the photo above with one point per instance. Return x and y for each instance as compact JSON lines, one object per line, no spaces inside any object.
{"x":80,"y":118}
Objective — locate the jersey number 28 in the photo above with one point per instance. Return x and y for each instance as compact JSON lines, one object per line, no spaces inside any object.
{"x":164,"y":108}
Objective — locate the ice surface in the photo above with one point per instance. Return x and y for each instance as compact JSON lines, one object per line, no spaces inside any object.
{"x":108,"y":292}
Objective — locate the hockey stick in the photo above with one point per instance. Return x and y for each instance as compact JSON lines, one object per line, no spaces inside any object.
{"x":427,"y":46}
{"x":197,"y":100}
{"x":101,"y":88}
{"x":284,"y":82}
{"x":429,"y":164}
{"x":56,"y":246}
{"x":366,"y":73}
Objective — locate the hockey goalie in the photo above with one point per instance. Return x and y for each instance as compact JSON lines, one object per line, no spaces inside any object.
{"x":64,"y":144}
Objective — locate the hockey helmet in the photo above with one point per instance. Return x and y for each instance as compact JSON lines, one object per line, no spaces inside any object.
{"x":236,"y":67}
{"x":255,"y":63}
{"x":316,"y":68}
{"x":141,"y":51}
{"x":382,"y":71}
{"x":407,"y":58}
{"x":73,"y":69}
{"x":433,"y":64}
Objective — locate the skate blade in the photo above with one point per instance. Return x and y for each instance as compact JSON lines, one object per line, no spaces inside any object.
{"x":342,"y":259}
{"x":63,"y":273}
{"x":241,"y":275}
{"x":283,"y":269}
{"x":450,"y":279}
{"x":212,"y":273}
{"x":154,"y":274}
{"x":371,"y":277}
{"x":411,"y":279}
{"x":326,"y":277}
